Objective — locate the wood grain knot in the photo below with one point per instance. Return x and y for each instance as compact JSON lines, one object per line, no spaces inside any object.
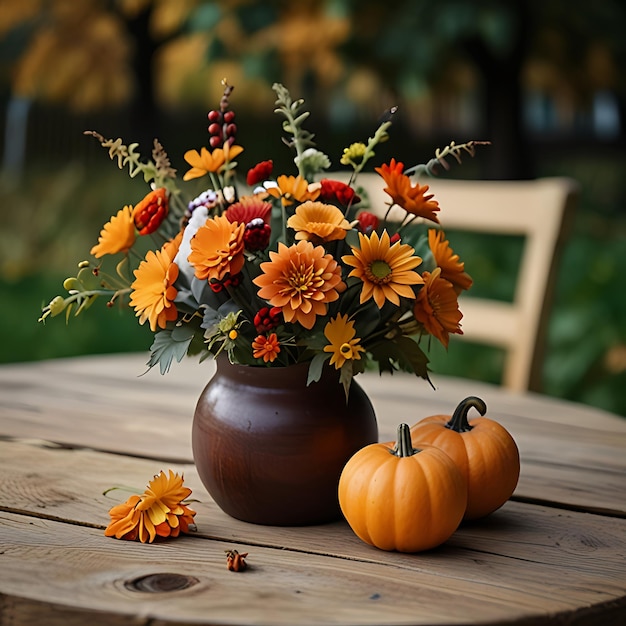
{"x":161,"y":583}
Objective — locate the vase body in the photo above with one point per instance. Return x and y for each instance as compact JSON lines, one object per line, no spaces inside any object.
{"x":270,"y":449}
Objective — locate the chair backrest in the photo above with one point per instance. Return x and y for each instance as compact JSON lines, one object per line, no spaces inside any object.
{"x":541,"y":211}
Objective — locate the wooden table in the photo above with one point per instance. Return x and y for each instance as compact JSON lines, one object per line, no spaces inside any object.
{"x":71,"y":429}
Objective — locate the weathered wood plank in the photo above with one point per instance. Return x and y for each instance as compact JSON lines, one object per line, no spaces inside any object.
{"x":505,"y":560}
{"x":568,"y":451}
{"x":77,"y":566}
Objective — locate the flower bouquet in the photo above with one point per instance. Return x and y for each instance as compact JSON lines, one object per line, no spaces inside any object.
{"x":275,"y":270}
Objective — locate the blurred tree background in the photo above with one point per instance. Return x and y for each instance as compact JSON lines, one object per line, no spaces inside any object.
{"x":542,"y":80}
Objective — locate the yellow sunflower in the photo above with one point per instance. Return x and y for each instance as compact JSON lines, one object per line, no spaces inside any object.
{"x":437,"y":307}
{"x":318,"y":222}
{"x":117,"y":235}
{"x":386,"y":270}
{"x":217,"y":249}
{"x":301,"y":280}
{"x":452,"y":269}
{"x":343,"y":344}
{"x":153,"y":290}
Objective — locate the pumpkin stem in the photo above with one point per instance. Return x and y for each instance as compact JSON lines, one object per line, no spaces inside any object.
{"x":458,"y":422}
{"x":404,"y":445}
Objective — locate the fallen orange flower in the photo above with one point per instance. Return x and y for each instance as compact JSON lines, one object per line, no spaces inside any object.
{"x":158,"y":512}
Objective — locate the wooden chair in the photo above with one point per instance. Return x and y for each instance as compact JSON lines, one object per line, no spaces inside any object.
{"x":540,"y":210}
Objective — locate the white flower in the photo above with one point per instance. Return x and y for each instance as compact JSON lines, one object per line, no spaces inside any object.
{"x":312,"y":160}
{"x":197,"y":219}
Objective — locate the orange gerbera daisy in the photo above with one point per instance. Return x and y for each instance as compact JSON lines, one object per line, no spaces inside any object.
{"x":318,"y":222}
{"x":117,"y":235}
{"x":412,"y":198}
{"x":204,"y":161}
{"x":386,"y":270}
{"x":266,"y":348}
{"x":301,"y":280}
{"x":343,"y":344}
{"x":437,"y":307}
{"x":159,"y":512}
{"x":217,"y":249}
{"x":452,"y":269}
{"x":292,"y":189}
{"x":153,"y":290}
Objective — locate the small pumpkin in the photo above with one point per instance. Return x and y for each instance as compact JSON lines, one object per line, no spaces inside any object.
{"x":484,"y":450}
{"x":397,"y":497}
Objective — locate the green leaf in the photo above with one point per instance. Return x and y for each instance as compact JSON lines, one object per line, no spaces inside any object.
{"x":169,"y":345}
{"x":316,"y":367}
{"x":345,"y":377}
{"x":402,"y":353}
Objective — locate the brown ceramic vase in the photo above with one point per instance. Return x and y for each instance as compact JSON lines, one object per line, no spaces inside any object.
{"x":270,"y":450}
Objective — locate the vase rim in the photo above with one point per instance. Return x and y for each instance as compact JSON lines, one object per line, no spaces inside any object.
{"x":273,"y":376}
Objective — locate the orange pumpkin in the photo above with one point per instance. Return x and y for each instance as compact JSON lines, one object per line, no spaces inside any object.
{"x":396,"y":497}
{"x":483,"y":449}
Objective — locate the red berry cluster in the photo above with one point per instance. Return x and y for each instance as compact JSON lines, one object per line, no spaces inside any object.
{"x":267,"y":319}
{"x":222,"y":128}
{"x":257,"y":235}
{"x":217,"y":286}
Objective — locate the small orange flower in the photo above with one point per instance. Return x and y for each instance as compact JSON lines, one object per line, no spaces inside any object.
{"x":301,"y":280}
{"x":266,"y":348}
{"x":117,"y":235}
{"x":437,"y":307}
{"x":159,"y":512}
{"x":412,"y":198}
{"x":153,"y":290}
{"x":149,"y":214}
{"x":318,"y":222}
{"x":452,"y":269}
{"x":217,"y":249}
{"x":343,"y":344}
{"x":292,"y":189}
{"x":386,"y":270}
{"x":205,"y":162}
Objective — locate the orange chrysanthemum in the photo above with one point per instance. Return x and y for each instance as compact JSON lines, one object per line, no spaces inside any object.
{"x":217,"y":249}
{"x":159,"y":512}
{"x":153,"y":290}
{"x":318,"y":222}
{"x":437,"y":307}
{"x":301,"y":280}
{"x":117,"y":235}
{"x":452,"y":269}
{"x":386,"y":270}
{"x":266,"y":348}
{"x":292,"y":189}
{"x":205,"y":162}
{"x":343,"y":344}
{"x":149,"y":214}
{"x":412,"y":198}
